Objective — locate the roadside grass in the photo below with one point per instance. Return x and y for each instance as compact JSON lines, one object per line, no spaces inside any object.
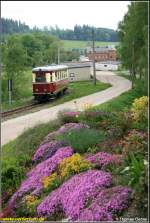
{"x":80,"y":89}
{"x":77,"y":44}
{"x":125,"y":100}
{"x":25,"y":92}
{"x":75,"y":90}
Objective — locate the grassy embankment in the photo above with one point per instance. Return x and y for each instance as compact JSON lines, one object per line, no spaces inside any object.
{"x":77,"y":44}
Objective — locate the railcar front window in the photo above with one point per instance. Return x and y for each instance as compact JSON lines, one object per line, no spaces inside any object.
{"x":40,"y":78}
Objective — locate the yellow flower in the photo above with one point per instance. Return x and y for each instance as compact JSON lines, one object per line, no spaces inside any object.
{"x":87,"y":106}
{"x":73,"y":164}
{"x":140,"y":109}
{"x":47,"y":181}
{"x":30,"y":199}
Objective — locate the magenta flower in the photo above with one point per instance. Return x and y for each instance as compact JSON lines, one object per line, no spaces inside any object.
{"x":33,"y":184}
{"x":72,"y":126}
{"x":65,"y":128}
{"x":75,"y":193}
{"x":103,"y":159}
{"x":71,"y":113}
{"x":47,"y":150}
{"x":108,"y":202}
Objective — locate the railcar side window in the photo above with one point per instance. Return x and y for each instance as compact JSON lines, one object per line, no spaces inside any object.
{"x":56,"y":76}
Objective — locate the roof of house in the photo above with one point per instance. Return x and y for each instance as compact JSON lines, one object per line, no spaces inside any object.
{"x":101,"y":49}
{"x":78,"y":64}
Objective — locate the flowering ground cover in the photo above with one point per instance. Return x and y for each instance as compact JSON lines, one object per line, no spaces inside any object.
{"x":82,"y":173}
{"x":72,"y":196}
{"x":102,"y":159}
{"x":33,"y":184}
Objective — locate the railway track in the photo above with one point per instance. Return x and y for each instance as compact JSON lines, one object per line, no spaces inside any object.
{"x":18,"y":110}
{"x":24,"y":108}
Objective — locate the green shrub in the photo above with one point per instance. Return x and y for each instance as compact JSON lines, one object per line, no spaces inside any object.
{"x":68,"y":116}
{"x":136,"y":173}
{"x":81,"y":140}
{"x":135,"y":142}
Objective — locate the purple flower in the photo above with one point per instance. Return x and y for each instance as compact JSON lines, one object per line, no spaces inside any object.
{"x":71,"y":126}
{"x":108,"y":202}
{"x":65,"y":128}
{"x":71,"y":113}
{"x":33,"y":184}
{"x":73,"y":195}
{"x":47,"y":150}
{"x":102,"y":159}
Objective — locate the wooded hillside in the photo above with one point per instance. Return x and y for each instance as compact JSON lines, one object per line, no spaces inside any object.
{"x":10,"y":26}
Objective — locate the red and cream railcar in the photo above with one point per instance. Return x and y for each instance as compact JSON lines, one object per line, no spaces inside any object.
{"x":49,"y":81}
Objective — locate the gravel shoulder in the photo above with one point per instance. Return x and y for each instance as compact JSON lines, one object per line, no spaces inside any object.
{"x":12,"y":128}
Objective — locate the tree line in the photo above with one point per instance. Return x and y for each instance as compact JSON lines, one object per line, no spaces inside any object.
{"x":10,"y":26}
{"x":133,"y":36}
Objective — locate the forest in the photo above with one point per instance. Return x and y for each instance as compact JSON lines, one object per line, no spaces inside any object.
{"x":10,"y":26}
{"x":133,"y":36}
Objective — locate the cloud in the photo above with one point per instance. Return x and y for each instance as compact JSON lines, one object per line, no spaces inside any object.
{"x":66,"y":14}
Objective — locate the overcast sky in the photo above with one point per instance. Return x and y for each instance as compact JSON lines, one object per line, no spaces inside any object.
{"x":65,"y":14}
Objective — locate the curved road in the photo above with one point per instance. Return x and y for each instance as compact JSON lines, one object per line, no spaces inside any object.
{"x":12,"y":128}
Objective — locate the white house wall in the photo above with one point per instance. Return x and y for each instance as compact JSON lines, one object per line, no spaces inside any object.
{"x":79,"y":74}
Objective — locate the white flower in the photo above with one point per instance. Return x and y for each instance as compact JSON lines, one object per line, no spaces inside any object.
{"x":65,"y":220}
{"x":145,"y":163}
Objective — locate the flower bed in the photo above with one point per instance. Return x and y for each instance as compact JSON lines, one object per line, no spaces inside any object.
{"x":33,"y":184}
{"x":67,"y":167}
{"x":102,"y":159}
{"x":73,"y":195}
{"x":47,"y":150}
{"x":107,"y":203}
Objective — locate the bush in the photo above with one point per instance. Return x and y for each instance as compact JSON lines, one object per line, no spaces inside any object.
{"x":140,"y":109}
{"x":136,"y":173}
{"x":135,"y":170}
{"x":122,"y":120}
{"x":68,"y":116}
{"x":94,"y":118}
{"x":82,"y":139}
{"x":136,"y":142}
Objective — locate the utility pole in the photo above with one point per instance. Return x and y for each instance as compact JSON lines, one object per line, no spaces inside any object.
{"x":58,"y":58}
{"x":10,"y":91}
{"x":94,"y":72}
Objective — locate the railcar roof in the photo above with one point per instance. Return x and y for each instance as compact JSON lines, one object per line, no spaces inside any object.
{"x":50,"y":68}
